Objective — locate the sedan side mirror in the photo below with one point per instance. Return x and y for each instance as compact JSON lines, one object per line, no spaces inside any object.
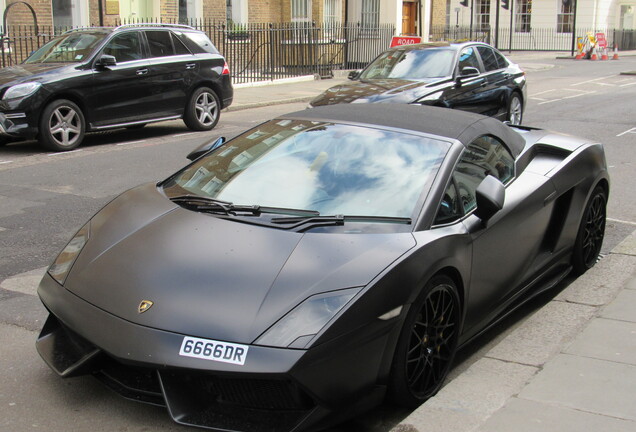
{"x":469,"y":72}
{"x":206,"y":147}
{"x":490,"y":196}
{"x":354,"y":74}
{"x":106,"y":60}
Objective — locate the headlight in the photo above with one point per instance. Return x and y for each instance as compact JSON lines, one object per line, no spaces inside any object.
{"x":298,"y":327}
{"x":21,"y":90}
{"x":431,"y":97}
{"x":64,"y":261}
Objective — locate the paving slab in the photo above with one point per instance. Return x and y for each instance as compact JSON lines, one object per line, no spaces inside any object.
{"x":627,"y":246}
{"x":531,"y":416}
{"x":585,"y":384}
{"x":543,"y":334}
{"x":623,"y":307}
{"x":600,"y":285}
{"x":470,"y":398}
{"x":607,"y":339}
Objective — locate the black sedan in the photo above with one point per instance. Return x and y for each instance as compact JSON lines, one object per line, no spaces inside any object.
{"x":469,"y":76}
{"x":320,"y":262}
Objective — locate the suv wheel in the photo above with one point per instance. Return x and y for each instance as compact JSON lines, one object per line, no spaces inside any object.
{"x":203,"y":110}
{"x":61,"y":126}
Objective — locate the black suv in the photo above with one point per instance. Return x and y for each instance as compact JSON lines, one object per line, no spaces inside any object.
{"x":103,"y":78}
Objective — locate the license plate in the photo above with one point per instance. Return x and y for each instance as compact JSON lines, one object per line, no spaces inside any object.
{"x":207,"y":349}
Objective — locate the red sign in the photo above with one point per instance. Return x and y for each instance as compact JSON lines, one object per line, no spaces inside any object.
{"x":405,"y":40}
{"x":601,"y":42}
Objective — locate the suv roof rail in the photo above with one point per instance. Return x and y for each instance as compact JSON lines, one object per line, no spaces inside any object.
{"x":85,"y":28}
{"x":155,"y":25}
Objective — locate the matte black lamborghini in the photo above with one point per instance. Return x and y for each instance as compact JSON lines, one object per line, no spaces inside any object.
{"x":320,"y":262}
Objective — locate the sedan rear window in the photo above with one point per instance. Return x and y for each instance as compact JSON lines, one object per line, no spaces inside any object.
{"x":334,"y":169}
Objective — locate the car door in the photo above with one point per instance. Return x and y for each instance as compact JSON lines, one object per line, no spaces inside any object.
{"x":173,"y":69}
{"x":504,"y":249}
{"x":466,"y":93}
{"x":119,"y":92}
{"x":497,"y":82}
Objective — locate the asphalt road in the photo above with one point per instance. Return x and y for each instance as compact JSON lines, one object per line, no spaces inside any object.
{"x":44,"y":198}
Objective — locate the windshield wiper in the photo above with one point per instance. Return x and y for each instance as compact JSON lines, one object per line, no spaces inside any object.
{"x":213,"y":205}
{"x":318,"y":221}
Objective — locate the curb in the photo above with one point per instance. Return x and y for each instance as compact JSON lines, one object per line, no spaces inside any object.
{"x":268,"y":103}
{"x":475,"y":394}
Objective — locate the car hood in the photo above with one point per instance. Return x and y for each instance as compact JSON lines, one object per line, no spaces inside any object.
{"x":211,"y":277}
{"x":386,"y":90}
{"x":25,"y":72}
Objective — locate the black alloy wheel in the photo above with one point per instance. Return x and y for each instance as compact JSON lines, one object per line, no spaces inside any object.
{"x":427,"y":344}
{"x":61,"y":126}
{"x":589,"y":239}
{"x":203,"y":110}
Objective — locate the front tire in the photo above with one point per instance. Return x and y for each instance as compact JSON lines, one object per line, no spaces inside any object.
{"x":589,"y":238}
{"x":203,"y":110}
{"x":62,"y":126}
{"x":426,"y":347}
{"x":515,"y":110}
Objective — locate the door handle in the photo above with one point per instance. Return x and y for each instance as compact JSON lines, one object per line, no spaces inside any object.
{"x":190,"y":66}
{"x":141,"y":71}
{"x":484,"y":84}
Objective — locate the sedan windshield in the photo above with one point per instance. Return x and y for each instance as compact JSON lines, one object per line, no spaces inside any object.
{"x":332,"y":169}
{"x":68,"y":48}
{"x":413,"y":64}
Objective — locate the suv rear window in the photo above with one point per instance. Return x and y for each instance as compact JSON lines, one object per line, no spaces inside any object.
{"x":198,"y":42}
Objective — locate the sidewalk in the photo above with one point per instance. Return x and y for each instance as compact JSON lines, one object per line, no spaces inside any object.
{"x":570,"y":366}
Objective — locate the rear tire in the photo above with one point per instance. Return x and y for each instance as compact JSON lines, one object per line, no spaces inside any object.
{"x":426,"y":347}
{"x":589,"y":238}
{"x":62,"y":126}
{"x":203,"y":110}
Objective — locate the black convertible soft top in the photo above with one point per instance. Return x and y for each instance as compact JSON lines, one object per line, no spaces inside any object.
{"x":444,"y":122}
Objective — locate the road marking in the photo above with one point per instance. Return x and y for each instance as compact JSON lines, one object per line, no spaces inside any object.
{"x":627,"y":85}
{"x":543,"y":92}
{"x":185,"y":134}
{"x":5,"y":162}
{"x":130,"y":142}
{"x":64,"y":153}
{"x":622,"y":221}
{"x":632,"y":130}
{"x":593,"y":81}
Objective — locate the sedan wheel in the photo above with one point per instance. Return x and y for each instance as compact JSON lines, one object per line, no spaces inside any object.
{"x":427,"y":345}
{"x":203,"y":110}
{"x":515,"y":110}
{"x":589,"y":239}
{"x":61,"y":126}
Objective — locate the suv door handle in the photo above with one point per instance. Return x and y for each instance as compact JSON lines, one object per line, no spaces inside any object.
{"x":141,"y":71}
{"x":190,"y":66}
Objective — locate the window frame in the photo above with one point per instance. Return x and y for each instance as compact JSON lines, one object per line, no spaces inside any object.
{"x":523,"y":16}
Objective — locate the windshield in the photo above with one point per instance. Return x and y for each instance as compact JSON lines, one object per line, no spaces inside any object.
{"x":333,"y":169}
{"x":413,"y":64}
{"x":69,"y":48}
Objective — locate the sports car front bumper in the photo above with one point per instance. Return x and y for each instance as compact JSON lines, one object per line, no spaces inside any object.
{"x":275,"y":390}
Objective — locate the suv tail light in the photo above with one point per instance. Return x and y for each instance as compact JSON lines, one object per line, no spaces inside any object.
{"x":226,"y":69}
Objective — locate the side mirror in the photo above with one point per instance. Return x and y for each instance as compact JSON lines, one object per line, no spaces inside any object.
{"x":106,"y":60}
{"x":490,"y":196}
{"x":206,"y":147}
{"x":354,"y":74}
{"x":469,"y":72}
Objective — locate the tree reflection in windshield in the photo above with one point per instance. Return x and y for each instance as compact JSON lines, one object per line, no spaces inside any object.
{"x":413,"y":64}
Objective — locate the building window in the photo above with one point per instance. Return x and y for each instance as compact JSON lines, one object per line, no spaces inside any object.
{"x":565,"y":17}
{"x":370,"y":14}
{"x":522,"y":16}
{"x":301,"y":10}
{"x":482,"y":15}
{"x":333,"y":12}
